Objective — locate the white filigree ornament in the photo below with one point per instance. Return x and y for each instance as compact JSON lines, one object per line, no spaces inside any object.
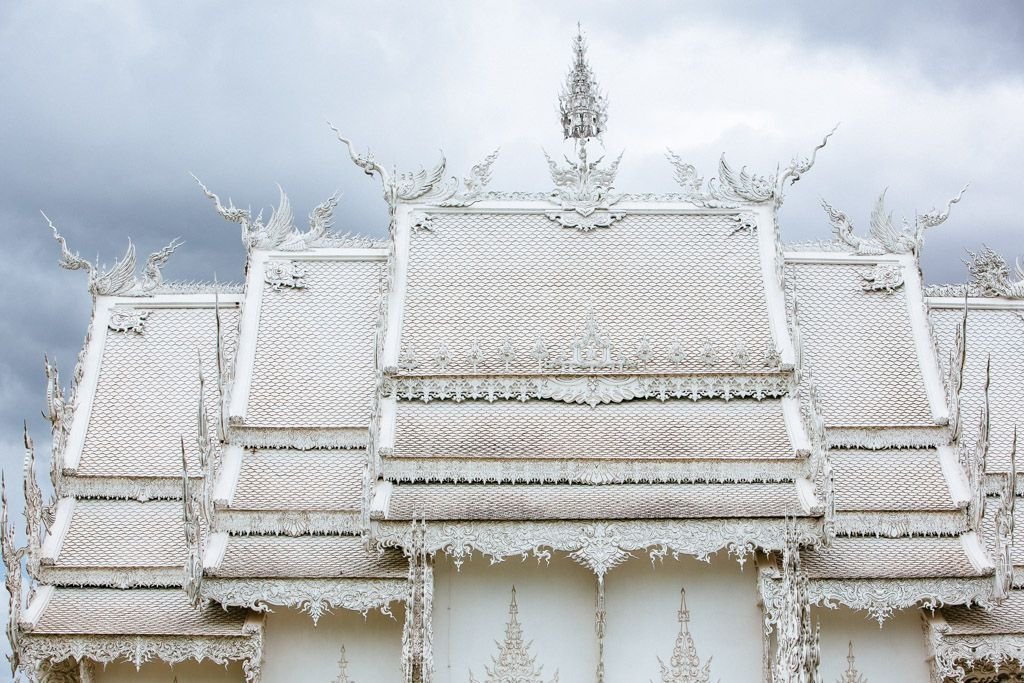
{"x":883,"y":277}
{"x":127,"y":319}
{"x":281,"y":274}
{"x":513,"y":663}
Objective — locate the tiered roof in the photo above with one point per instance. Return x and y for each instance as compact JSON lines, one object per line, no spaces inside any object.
{"x":577,"y":371}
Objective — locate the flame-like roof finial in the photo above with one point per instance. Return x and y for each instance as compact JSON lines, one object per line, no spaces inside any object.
{"x":583,"y":108}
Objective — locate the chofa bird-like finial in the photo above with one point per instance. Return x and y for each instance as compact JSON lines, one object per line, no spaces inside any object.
{"x":119,"y":279}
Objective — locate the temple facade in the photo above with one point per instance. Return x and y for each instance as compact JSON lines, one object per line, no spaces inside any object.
{"x":575,"y":436}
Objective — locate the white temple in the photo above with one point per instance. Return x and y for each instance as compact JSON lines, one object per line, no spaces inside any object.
{"x":567,"y":436}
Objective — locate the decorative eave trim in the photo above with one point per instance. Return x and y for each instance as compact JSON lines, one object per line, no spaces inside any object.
{"x":227,"y":479}
{"x":956,"y":478}
{"x":772,"y":274}
{"x":599,"y":546}
{"x":880,"y":597}
{"x":324,"y":254}
{"x":900,"y":524}
{"x":213,"y":552}
{"x":125,"y":488}
{"x":590,"y":471}
{"x":975,"y":303}
{"x":316,"y":597}
{"x":86,"y":388}
{"x":954,"y":655}
{"x":287,"y":522}
{"x":299,"y":438}
{"x":35,"y":609}
{"x":882,"y":437}
{"x":928,"y":361}
{"x":58,"y":530}
{"x":792,"y":254}
{"x":976,"y":553}
{"x":591,"y":389}
{"x":112,"y":577}
{"x":39,"y":649}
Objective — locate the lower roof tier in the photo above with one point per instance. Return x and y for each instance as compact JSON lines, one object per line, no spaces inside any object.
{"x":635,"y":430}
{"x":521,"y":502}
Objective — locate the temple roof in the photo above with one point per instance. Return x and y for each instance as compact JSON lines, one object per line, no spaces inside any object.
{"x":146,"y":383}
{"x":866,"y":350}
{"x":611,"y":501}
{"x":107,"y":611}
{"x":311,"y":345}
{"x":304,"y":557}
{"x":493,"y":280}
{"x":633,"y":430}
{"x":994,"y":335}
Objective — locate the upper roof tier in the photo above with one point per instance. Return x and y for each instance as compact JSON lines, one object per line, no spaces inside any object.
{"x":509,"y":292}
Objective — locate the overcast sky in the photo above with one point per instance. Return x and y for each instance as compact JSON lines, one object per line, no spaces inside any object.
{"x":106,"y":107}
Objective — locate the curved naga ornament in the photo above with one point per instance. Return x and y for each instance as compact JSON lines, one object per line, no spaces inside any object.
{"x":732,"y":187}
{"x":990,"y":275}
{"x":884,"y":237}
{"x":280,"y":232}
{"x":513,"y":663}
{"x":119,"y":279}
{"x":407,"y":186}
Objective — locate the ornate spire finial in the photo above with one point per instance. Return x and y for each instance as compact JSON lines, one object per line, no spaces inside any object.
{"x":851,"y":675}
{"x":513,"y":663}
{"x":342,"y":668}
{"x":684,"y":666}
{"x":584,"y":109}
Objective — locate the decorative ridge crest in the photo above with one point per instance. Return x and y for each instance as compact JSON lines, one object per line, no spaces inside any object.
{"x":582,"y":187}
{"x":119,"y":279}
{"x":884,"y":237}
{"x":731,"y":187}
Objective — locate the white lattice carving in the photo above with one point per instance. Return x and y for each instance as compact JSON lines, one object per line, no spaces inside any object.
{"x":316,"y":597}
{"x":881,"y":597}
{"x":37,"y":650}
{"x":597,"y":545}
{"x":591,"y":390}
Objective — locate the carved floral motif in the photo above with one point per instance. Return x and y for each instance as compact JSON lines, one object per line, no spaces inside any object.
{"x":597,"y":546}
{"x":284,"y":275}
{"x":883,"y":277}
{"x":316,"y":597}
{"x":127,"y":319}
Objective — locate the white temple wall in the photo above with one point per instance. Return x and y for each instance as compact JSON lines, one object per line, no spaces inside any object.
{"x":295,"y":650}
{"x":895,"y":652}
{"x":160,"y":672}
{"x":642,"y":603}
{"x":556,"y":611}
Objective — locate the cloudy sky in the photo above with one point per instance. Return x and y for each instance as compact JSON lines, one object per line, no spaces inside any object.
{"x":106,"y":108}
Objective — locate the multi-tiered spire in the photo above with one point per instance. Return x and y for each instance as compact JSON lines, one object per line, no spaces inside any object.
{"x":584,"y":109}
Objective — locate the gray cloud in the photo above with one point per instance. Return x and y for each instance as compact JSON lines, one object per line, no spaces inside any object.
{"x":108,"y":106}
